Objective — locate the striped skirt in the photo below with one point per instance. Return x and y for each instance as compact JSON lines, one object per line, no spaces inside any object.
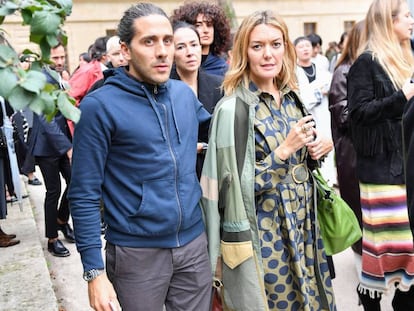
{"x":387,"y":242}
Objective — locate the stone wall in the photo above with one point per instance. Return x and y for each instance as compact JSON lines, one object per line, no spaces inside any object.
{"x":92,"y":19}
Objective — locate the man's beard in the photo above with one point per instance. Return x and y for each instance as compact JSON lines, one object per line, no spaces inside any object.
{"x":58,"y":69}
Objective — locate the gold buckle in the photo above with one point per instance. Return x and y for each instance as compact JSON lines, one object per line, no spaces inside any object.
{"x":299,"y":173}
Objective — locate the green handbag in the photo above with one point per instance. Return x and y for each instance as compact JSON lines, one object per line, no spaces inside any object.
{"x":338,"y":224}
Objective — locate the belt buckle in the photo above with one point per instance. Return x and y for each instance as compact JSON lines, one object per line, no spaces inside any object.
{"x":299,"y":173}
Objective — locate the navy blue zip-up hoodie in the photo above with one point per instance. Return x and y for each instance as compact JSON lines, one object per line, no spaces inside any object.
{"x":135,"y":147}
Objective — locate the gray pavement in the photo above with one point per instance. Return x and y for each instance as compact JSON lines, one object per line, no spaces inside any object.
{"x":33,"y":280}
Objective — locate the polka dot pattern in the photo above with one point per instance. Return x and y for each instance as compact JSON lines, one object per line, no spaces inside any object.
{"x":285,"y":217}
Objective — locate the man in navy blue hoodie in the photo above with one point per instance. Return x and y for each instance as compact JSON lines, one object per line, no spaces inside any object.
{"x":135,"y":147}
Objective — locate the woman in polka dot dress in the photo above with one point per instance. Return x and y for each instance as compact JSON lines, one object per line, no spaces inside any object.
{"x":264,"y":241}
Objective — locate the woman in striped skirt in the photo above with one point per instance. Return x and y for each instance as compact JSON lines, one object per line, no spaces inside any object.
{"x":378,"y":89}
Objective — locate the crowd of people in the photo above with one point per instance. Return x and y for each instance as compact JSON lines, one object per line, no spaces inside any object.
{"x":197,"y":166}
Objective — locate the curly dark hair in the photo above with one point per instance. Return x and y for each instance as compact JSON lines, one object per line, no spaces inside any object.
{"x":189,"y":11}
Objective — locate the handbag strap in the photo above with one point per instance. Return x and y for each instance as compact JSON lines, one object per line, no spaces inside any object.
{"x":318,"y":274}
{"x":3,"y":107}
{"x":310,"y":162}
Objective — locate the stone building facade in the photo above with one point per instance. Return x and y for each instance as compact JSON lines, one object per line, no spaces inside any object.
{"x":94,"y":18}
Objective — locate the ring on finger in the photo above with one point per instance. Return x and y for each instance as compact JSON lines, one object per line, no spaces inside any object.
{"x":304,"y":129}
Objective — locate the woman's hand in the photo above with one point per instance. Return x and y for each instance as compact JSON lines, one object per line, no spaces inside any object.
{"x":319,"y":147}
{"x":408,"y":89}
{"x":300,"y":135}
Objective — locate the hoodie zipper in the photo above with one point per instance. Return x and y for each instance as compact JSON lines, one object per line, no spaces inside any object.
{"x":175,"y":170}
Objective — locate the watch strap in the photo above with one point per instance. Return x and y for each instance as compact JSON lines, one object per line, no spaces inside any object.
{"x":92,"y":274}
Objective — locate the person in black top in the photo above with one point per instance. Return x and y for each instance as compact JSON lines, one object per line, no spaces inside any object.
{"x":187,"y":61}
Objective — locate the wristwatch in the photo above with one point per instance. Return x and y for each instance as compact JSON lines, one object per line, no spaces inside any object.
{"x":92,"y":274}
{"x":204,"y":148}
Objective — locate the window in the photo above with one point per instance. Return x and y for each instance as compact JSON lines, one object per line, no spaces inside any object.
{"x":111,"y":32}
{"x":309,"y":28}
{"x":348,"y":25}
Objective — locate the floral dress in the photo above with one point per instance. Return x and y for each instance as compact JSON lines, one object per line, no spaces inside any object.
{"x":291,"y":255}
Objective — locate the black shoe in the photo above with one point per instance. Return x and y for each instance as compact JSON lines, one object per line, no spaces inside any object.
{"x":67,"y":232}
{"x":369,"y":303}
{"x":56,"y":248}
{"x":11,"y":199}
{"x":35,"y":182}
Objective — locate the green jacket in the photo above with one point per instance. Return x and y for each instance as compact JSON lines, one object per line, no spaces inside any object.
{"x":231,"y":221}
{"x":228,"y":202}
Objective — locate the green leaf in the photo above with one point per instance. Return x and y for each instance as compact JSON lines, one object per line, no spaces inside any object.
{"x":52,"y":40}
{"x":63,"y":37}
{"x":66,"y":5}
{"x":43,"y":104}
{"x":31,"y":5}
{"x":8,"y":81}
{"x":54,"y":74}
{"x":44,"y":22}
{"x":8,"y":8}
{"x":19,"y":98}
{"x":49,"y":102}
{"x":49,"y":88}
{"x":45,"y":49}
{"x":50,"y":116}
{"x":34,"y":82}
{"x":66,"y":106}
{"x":29,"y":88}
{"x":36,"y":65}
{"x":7,"y":56}
{"x":36,"y":38}
{"x":26,"y":16}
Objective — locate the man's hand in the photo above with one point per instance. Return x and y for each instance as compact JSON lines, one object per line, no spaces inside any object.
{"x":69,"y":154}
{"x":102,"y":296}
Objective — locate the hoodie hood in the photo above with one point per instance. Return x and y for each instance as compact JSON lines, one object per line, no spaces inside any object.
{"x":155,"y":94}
{"x":122,"y":79}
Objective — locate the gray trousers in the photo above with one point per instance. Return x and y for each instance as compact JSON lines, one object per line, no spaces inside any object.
{"x":146,"y":279}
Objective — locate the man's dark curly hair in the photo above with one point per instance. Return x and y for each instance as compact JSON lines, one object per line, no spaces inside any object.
{"x":189,"y":11}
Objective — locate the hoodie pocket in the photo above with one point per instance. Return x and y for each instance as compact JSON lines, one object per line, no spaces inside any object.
{"x":159,"y":212}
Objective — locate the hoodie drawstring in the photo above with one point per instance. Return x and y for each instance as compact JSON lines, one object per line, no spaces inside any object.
{"x":175,"y":123}
{"x":153,"y":101}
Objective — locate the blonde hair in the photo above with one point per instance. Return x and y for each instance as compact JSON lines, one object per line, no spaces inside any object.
{"x":239,"y":71}
{"x":394,"y":56}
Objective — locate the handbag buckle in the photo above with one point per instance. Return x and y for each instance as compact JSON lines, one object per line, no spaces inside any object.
{"x":300,"y":173}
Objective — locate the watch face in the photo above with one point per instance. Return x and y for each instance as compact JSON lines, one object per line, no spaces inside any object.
{"x":87,"y":275}
{"x":91,"y":274}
